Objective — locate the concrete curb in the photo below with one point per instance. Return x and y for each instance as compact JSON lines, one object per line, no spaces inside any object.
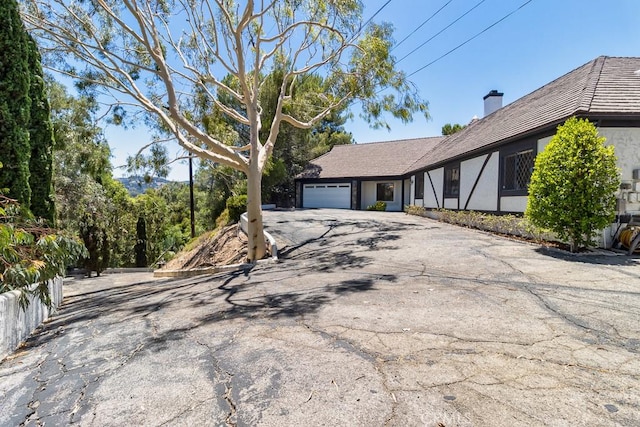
{"x":226,"y":268}
{"x":210,"y":270}
{"x":127,"y":270}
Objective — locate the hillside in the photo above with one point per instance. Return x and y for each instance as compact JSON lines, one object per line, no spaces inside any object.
{"x":224,"y":247}
{"x":136,"y":184}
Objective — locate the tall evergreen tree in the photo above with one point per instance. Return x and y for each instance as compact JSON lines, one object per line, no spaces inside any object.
{"x":15,"y":104}
{"x":41,"y":140}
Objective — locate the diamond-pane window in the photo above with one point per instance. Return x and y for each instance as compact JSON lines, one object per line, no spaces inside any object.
{"x":517,"y":170}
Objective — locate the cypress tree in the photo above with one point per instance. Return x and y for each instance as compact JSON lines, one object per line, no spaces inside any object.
{"x":141,"y":245}
{"x":41,"y":140}
{"x":15,"y":103}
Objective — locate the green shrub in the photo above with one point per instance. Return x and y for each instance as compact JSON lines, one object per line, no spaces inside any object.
{"x":31,"y":253}
{"x":237,"y":205}
{"x":377,"y":206}
{"x":572,"y":189}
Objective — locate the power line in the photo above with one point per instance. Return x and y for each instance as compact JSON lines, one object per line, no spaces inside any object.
{"x":357,"y":34}
{"x":441,"y":31}
{"x":471,"y":38}
{"x":421,"y":25}
{"x":377,"y":12}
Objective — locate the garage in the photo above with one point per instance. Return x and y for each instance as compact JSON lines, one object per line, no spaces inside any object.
{"x":334,"y":195}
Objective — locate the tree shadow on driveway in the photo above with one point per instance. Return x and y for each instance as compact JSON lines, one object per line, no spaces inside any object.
{"x":314,"y":271}
{"x":249,"y":294}
{"x":375,"y":235}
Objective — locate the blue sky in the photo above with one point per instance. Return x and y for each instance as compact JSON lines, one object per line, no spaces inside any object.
{"x":537,"y":44}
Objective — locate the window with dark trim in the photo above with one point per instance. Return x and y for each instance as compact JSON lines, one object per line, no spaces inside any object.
{"x":452,"y":181}
{"x":418,"y":192}
{"x":384,"y":192}
{"x":517,"y":170}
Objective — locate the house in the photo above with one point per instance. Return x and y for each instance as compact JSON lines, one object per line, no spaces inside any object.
{"x":357,"y":176}
{"x":487,"y":165}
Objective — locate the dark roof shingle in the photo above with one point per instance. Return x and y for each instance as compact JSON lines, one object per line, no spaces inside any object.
{"x":375,"y":159}
{"x":605,"y":85}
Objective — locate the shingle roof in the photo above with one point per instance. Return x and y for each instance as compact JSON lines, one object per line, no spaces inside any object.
{"x":376,"y":159}
{"x":618,"y":87}
{"x":605,"y":85}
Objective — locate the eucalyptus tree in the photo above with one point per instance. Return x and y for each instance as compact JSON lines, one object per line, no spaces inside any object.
{"x":159,"y":55}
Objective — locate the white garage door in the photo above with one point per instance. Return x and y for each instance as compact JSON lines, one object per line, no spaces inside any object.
{"x":327,"y":196}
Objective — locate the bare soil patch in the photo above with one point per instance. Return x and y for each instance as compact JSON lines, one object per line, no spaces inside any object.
{"x":225,"y":247}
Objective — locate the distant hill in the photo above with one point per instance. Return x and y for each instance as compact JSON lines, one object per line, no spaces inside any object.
{"x":136,"y":185}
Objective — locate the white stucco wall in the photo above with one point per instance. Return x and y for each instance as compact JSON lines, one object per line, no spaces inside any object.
{"x":485,"y":195}
{"x":627,"y":149}
{"x":369,"y":194}
{"x":437,"y":176}
{"x":451,"y":203}
{"x":17,"y":324}
{"x":513,"y":204}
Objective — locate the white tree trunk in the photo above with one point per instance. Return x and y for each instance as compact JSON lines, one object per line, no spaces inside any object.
{"x":255,"y":230}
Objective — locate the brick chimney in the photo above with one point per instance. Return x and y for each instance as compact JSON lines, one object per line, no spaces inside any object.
{"x":492,"y":102}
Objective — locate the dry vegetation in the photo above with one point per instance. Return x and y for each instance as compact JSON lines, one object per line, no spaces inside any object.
{"x":225,"y":246}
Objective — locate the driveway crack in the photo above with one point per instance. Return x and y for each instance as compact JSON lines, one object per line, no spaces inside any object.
{"x":232,"y":406}
{"x":33,"y":404}
{"x":377,"y":360}
{"x":226,"y":378}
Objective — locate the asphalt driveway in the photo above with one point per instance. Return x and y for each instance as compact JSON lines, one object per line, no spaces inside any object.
{"x":371,"y":319}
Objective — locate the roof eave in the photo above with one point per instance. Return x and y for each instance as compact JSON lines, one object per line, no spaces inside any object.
{"x":539,"y":131}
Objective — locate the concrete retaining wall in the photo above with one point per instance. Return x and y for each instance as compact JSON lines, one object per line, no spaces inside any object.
{"x":16,"y":324}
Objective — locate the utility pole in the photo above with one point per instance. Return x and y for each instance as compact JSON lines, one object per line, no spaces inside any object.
{"x":191,"y":201}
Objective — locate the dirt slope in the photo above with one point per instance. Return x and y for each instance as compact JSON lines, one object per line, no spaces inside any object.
{"x":228,"y":246}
